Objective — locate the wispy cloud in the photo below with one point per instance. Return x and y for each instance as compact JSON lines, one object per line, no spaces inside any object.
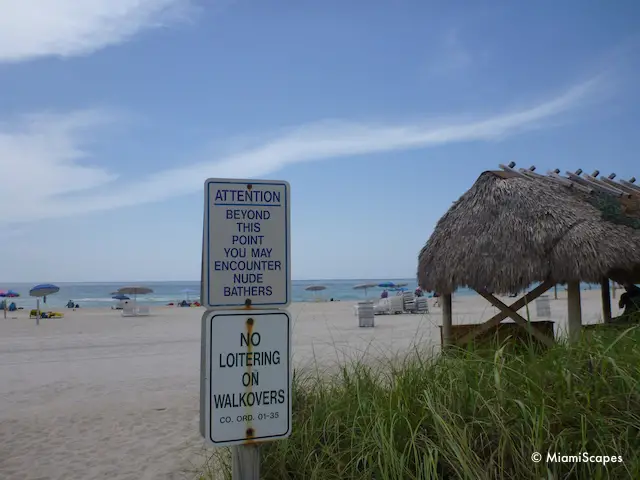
{"x":43,"y":155}
{"x":31,"y":29}
{"x":449,"y":55}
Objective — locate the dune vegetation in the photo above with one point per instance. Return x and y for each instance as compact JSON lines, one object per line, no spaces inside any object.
{"x":477,"y":413}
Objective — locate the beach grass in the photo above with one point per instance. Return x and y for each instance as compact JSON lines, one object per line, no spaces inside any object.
{"x":469,"y":414}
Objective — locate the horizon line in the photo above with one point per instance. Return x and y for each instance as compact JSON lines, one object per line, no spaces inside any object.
{"x":138,"y":282}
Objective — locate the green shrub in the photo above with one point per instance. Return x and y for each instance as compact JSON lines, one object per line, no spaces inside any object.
{"x":469,"y":414}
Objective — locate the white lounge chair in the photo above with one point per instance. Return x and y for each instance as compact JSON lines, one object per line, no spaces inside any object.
{"x":128,"y":310}
{"x":143,"y":310}
{"x":396,"y":304}
{"x":381,"y":307}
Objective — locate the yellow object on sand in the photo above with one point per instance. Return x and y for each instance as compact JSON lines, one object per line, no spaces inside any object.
{"x":34,"y":314}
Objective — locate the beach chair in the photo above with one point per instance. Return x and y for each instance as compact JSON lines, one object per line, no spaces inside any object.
{"x":421,"y":305}
{"x":396,"y":305}
{"x":128,"y":310}
{"x":408,"y":299}
{"x":365,"y":314}
{"x":381,"y":307}
{"x":143,"y":310}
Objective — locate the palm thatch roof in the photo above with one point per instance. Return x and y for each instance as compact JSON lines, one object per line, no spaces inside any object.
{"x":512,"y":229}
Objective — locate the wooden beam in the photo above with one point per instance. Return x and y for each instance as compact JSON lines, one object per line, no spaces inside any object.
{"x":616,"y":189}
{"x":517,"y":305}
{"x":574,"y":310}
{"x":630,"y":185}
{"x":587,"y":183}
{"x":568,"y":183}
{"x":625,"y":189}
{"x":447,"y":319}
{"x":519,"y":319}
{"x":508,"y":168}
{"x":606,"y":300}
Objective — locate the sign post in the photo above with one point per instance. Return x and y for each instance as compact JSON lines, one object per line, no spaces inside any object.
{"x":245,"y":379}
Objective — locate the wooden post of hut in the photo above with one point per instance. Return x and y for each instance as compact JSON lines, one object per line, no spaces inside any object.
{"x":574,"y":310}
{"x":606,"y":300}
{"x":447,"y":320}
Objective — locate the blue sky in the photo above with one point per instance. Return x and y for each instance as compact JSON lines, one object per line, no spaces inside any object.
{"x":379,"y":114}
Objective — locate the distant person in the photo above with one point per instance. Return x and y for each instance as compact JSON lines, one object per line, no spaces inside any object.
{"x":384,"y":294}
{"x":436,"y":295}
{"x":418,"y":292}
{"x":630,"y":300}
{"x":71,"y":304}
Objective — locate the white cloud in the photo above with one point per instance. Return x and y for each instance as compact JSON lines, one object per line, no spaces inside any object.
{"x":37,"y":28}
{"x":450,"y":55}
{"x":45,"y":162}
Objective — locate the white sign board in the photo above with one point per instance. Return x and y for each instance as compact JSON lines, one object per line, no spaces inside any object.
{"x":246,"y":245}
{"x":246,"y":388}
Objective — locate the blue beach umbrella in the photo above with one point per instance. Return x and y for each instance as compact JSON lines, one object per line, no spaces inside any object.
{"x":7,"y":294}
{"x":120,"y":296}
{"x":386,"y":285}
{"x":399,"y":287}
{"x":42,"y":290}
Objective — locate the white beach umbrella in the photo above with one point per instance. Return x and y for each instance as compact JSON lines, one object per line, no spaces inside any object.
{"x":315,"y":289}
{"x":364,"y":286}
{"x":135,"y":291}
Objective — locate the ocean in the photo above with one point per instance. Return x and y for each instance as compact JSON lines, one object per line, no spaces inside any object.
{"x":99,"y":294}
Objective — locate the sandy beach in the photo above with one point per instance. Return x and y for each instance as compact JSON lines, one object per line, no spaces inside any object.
{"x":94,"y":395}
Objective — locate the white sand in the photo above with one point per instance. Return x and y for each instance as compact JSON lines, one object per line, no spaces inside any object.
{"x":96,"y":396}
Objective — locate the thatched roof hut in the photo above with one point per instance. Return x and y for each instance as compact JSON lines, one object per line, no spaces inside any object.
{"x":512,"y":229}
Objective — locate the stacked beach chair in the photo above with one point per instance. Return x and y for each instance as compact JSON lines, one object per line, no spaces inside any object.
{"x":365,"y":314}
{"x":408,"y":301}
{"x":421,"y":305}
{"x":389,"y":306}
{"x":413,"y":304}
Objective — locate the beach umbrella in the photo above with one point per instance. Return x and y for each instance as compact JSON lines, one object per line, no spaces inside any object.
{"x":135,"y":291}
{"x":187,"y":291}
{"x":7,"y":294}
{"x":386,"y":285}
{"x":42,"y":291}
{"x":119,"y":296}
{"x":399,"y":287}
{"x":364,"y":286}
{"x":315,"y":289}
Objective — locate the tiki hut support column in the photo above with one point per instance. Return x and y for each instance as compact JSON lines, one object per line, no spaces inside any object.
{"x":447,"y":320}
{"x":575,"y":310}
{"x":606,"y":301}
